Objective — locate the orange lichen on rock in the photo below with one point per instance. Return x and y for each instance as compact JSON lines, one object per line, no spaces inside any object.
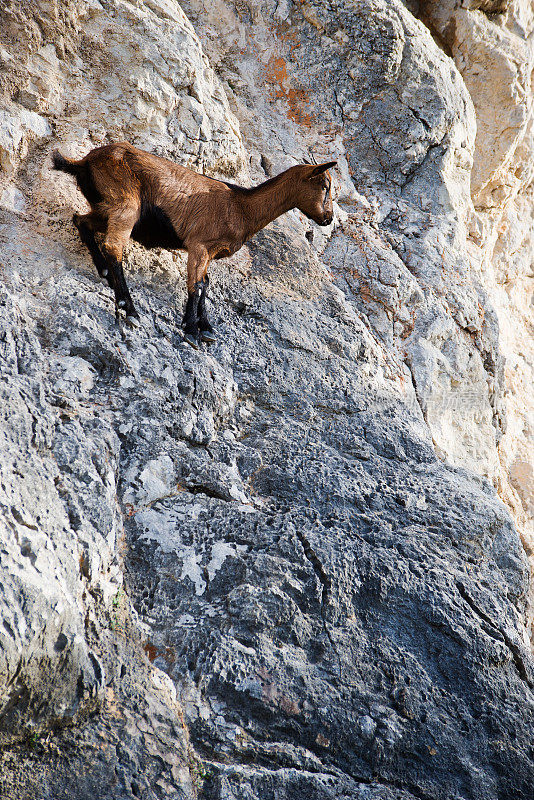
{"x":364,"y":287}
{"x":277,"y":78}
{"x":151,"y":651}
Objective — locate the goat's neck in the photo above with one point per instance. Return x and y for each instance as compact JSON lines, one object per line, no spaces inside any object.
{"x":266,"y":202}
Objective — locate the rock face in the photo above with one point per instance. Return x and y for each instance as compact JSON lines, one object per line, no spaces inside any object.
{"x":294,"y":565}
{"x":500,"y":226}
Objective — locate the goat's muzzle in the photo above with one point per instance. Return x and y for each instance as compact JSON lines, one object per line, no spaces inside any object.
{"x":327,"y":220}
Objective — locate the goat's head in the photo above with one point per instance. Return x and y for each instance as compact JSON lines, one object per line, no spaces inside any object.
{"x":314,"y":199}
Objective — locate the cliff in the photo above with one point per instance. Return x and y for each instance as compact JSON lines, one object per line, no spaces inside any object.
{"x":296,"y":564}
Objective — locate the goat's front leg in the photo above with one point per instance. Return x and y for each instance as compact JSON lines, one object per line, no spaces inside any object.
{"x":197,"y":267}
{"x":207,"y":333}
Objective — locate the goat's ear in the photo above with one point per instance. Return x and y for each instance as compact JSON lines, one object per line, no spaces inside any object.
{"x":320,"y":168}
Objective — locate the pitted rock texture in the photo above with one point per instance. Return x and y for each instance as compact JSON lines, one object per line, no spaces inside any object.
{"x":446,"y":122}
{"x":278,"y":567}
{"x":500,"y":225}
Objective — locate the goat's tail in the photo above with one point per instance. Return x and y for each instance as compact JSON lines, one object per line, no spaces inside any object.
{"x":66,"y":164}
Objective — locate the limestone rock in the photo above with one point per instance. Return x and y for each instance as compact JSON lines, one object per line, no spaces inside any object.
{"x":494,"y":53}
{"x":278,"y":567}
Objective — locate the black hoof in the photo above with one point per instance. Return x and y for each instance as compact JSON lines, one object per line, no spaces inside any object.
{"x":191,"y":340}
{"x":132,"y":320}
{"x":123,"y":308}
{"x":208,"y":336}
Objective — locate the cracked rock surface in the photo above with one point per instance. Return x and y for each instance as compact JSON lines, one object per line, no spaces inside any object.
{"x":281,"y":567}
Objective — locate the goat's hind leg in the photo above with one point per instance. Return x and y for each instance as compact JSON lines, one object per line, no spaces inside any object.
{"x":87,"y":225}
{"x":119,"y":228}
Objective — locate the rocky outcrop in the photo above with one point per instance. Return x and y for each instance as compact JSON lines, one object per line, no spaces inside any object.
{"x":281,"y":567}
{"x":492,"y":48}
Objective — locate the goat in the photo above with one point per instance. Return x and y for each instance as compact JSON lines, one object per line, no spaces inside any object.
{"x":158,"y":203}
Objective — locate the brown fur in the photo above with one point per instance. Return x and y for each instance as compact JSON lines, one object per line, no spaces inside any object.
{"x":160,"y":203}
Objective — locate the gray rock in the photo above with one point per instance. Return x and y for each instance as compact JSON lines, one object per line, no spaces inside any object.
{"x":276,"y":567}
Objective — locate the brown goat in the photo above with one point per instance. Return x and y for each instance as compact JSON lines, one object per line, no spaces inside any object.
{"x":135,"y":194}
